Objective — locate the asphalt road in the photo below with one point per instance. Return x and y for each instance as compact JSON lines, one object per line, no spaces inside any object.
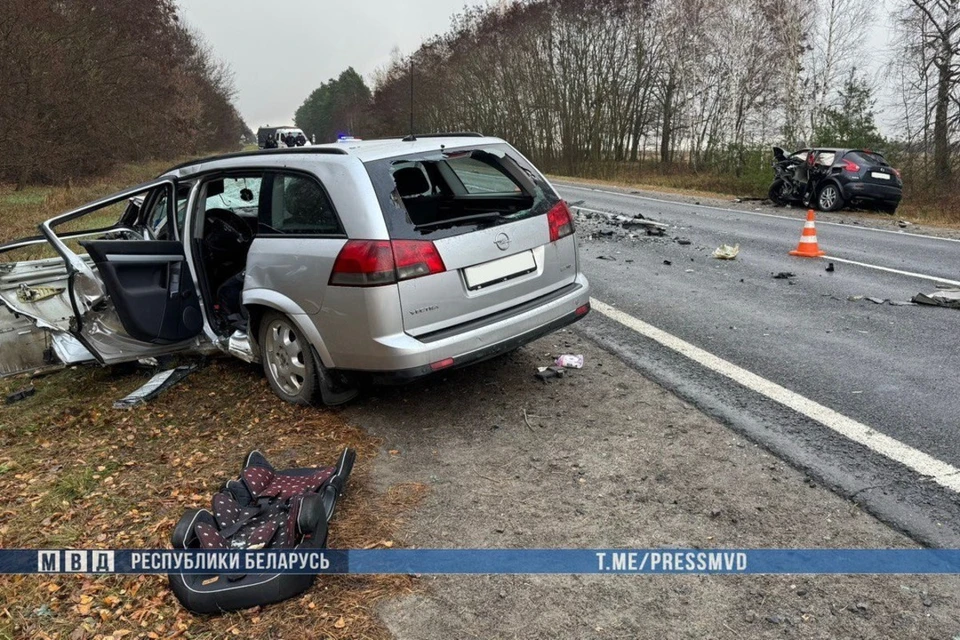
{"x":891,"y":368}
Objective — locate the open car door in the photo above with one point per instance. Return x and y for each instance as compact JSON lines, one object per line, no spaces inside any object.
{"x":119,"y":288}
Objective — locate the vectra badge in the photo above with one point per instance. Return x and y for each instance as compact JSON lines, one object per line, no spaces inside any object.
{"x":502,"y":242}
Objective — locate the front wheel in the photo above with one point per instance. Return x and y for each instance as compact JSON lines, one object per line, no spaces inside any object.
{"x":830,"y":198}
{"x":777,"y":193}
{"x":287,"y":361}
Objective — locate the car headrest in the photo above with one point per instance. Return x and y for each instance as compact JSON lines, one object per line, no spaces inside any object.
{"x":410,"y":182}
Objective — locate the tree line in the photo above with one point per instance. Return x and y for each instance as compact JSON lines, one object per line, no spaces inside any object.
{"x":87,"y":84}
{"x":608,"y":87}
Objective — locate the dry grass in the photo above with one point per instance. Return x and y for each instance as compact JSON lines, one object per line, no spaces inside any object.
{"x":21,"y":211}
{"x":76,"y":473}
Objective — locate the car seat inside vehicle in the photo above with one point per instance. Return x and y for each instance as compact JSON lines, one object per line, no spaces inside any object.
{"x":230,"y":220}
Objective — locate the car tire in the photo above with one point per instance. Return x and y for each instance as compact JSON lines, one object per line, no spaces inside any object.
{"x":775,"y":194}
{"x":830,"y":198}
{"x":287,"y":360}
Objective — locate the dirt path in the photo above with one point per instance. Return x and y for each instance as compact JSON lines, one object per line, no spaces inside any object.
{"x":610,"y":459}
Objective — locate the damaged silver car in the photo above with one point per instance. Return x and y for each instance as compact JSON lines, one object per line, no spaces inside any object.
{"x":386,"y":259}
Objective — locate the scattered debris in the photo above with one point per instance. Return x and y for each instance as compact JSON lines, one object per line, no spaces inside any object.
{"x":547,"y":373}
{"x":22,"y":394}
{"x":903,"y":224}
{"x":36,"y":294}
{"x":667,"y":262}
{"x":830,"y":268}
{"x":944,"y":298}
{"x":876,"y":300}
{"x":611,"y":258}
{"x":855,"y":298}
{"x":570,"y":361}
{"x":784,"y":275}
{"x":688,"y":270}
{"x":683,"y":241}
{"x":726,"y":252}
{"x":154,"y":387}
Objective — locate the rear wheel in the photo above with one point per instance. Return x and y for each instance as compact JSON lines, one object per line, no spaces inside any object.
{"x":287,"y":361}
{"x":830,"y":198}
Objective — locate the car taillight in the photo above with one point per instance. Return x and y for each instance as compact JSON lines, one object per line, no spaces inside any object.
{"x":851,"y":166}
{"x":560,"y":221}
{"x":416,"y":258}
{"x":896,"y":172}
{"x":371,"y":263}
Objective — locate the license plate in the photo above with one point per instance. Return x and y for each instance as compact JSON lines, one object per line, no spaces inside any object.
{"x":882,"y":176}
{"x":488,"y":273}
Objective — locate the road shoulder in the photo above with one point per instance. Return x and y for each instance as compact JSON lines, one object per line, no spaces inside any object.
{"x":607,"y":458}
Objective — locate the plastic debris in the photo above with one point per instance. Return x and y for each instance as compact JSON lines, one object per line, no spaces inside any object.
{"x":830,"y":268}
{"x":726,"y":252}
{"x":22,"y":394}
{"x":548,"y":373}
{"x":154,"y":387}
{"x":570,"y":361}
{"x":683,"y":241}
{"x":949,"y":298}
{"x":667,"y":262}
{"x":784,"y":275}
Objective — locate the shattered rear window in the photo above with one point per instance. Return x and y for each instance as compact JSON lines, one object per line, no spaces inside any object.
{"x":450,"y":192}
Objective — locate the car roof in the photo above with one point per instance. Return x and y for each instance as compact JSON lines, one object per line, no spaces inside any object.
{"x":368,"y":150}
{"x":363,"y":150}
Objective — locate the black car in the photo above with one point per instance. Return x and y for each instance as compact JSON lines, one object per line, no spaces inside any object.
{"x":838,"y":177}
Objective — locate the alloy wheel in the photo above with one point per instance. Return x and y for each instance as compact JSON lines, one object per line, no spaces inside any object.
{"x":285,"y":356}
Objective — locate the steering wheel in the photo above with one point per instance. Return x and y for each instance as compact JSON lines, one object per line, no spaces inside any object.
{"x":235,"y":232}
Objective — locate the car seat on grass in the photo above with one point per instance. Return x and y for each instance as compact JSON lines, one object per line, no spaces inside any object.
{"x":263,"y":509}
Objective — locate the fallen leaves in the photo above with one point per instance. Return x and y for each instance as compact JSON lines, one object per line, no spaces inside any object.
{"x":175,"y":457}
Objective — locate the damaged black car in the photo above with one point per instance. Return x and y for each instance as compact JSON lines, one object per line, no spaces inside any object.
{"x":831,"y":179}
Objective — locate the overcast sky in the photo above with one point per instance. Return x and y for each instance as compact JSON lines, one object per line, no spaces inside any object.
{"x":282,"y":50}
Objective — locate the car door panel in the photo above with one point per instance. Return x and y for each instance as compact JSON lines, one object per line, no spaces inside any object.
{"x":116,"y":298}
{"x":151,"y":288}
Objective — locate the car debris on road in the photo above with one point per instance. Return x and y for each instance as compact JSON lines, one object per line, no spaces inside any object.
{"x":548,"y":373}
{"x":784,"y":275}
{"x":726,"y":252}
{"x":949,"y":298}
{"x":570,"y":361}
{"x":154,"y":387}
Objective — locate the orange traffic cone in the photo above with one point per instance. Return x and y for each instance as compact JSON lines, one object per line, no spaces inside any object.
{"x":808,"y":247}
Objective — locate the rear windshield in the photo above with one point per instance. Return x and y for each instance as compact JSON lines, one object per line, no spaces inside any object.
{"x":450,"y":192}
{"x":866,"y":158}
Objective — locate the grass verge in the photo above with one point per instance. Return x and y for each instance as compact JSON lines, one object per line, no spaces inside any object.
{"x":75,"y":472}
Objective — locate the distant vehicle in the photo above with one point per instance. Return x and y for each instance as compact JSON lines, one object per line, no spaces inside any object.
{"x":831,"y":179}
{"x":263,"y":134}
{"x":383,"y":259}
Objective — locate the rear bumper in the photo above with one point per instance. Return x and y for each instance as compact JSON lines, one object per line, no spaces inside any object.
{"x":400,"y":355}
{"x":887,"y":194}
{"x":404,"y":376}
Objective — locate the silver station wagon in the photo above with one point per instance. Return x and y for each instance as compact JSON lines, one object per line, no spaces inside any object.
{"x":390,"y":259}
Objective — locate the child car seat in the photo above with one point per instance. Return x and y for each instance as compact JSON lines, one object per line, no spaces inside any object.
{"x":263,"y":509}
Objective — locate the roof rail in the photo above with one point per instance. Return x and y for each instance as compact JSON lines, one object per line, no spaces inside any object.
{"x":452,"y":134}
{"x":262,"y":152}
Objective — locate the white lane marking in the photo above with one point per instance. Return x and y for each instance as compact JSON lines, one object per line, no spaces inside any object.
{"x":922,"y":276}
{"x":754,"y":213}
{"x":941,"y":472}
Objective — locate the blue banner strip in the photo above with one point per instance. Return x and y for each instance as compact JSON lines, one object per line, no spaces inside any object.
{"x":483,"y":561}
